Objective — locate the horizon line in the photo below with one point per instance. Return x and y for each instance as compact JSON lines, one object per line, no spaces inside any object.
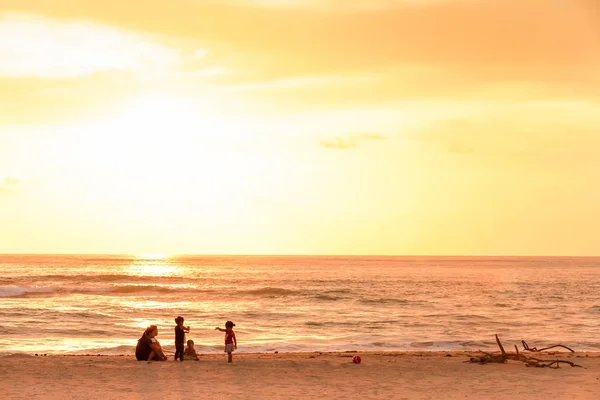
{"x":167,"y":255}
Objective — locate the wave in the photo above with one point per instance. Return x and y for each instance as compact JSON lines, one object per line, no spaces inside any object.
{"x":15,"y":354}
{"x":269,"y":291}
{"x":385,"y":301}
{"x":136,"y":289}
{"x":107,"y":278}
{"x":422,"y":344}
{"x":18,"y":291}
{"x":116,"y":350}
{"x":23,"y":291}
{"x":326,"y":297}
{"x":339,"y":291}
{"x":168,"y":290}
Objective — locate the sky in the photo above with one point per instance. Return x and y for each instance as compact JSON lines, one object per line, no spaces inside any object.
{"x":379,"y":127}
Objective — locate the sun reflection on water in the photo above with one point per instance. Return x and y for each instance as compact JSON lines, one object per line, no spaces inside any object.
{"x":157,"y":265}
{"x":154,"y":269}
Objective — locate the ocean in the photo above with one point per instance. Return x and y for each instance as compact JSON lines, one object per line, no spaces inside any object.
{"x":98,"y":304}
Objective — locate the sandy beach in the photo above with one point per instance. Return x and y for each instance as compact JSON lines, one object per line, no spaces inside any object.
{"x":397,"y":375}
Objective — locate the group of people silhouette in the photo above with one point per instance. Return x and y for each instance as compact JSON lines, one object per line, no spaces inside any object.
{"x":149,"y":348}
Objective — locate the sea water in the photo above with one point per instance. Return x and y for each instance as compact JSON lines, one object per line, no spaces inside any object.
{"x":101,"y":304}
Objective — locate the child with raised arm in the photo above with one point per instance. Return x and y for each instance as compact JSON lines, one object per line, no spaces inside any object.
{"x":190,"y":352}
{"x":180,"y":332}
{"x":230,"y":340}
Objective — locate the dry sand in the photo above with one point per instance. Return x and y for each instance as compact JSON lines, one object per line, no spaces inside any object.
{"x":398,"y":375}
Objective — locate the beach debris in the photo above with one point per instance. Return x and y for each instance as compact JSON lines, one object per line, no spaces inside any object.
{"x":529,"y":361}
{"x":356,"y":359}
{"x":535,"y":349}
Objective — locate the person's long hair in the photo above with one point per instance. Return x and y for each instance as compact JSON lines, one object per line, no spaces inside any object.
{"x":148,"y":330}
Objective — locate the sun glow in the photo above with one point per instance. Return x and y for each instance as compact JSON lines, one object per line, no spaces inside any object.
{"x":154,"y":137}
{"x":124,"y":132}
{"x":152,"y":256}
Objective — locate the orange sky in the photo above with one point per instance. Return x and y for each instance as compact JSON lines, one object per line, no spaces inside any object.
{"x":300,"y":126}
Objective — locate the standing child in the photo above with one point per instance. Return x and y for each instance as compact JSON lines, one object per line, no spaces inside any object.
{"x":190,"y":352}
{"x":180,"y":332}
{"x":230,"y":340}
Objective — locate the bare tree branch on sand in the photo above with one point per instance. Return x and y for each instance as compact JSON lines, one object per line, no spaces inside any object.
{"x":529,"y":361}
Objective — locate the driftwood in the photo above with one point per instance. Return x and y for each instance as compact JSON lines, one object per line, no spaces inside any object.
{"x":529,"y":361}
{"x":534,"y":349}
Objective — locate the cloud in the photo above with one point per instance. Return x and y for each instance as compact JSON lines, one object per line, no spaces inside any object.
{"x":493,"y":40}
{"x":337,"y":5}
{"x":32,"y":45}
{"x":350,"y":142}
{"x":307,"y":82}
{"x":338,"y":143}
{"x":10,"y":185}
{"x":210,"y":72}
{"x":11,"y":181}
{"x":472,"y":41}
{"x":199,"y":54}
{"x":541,"y":129}
{"x":370,"y":136}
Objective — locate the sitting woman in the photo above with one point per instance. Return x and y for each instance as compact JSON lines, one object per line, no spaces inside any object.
{"x":148,"y":348}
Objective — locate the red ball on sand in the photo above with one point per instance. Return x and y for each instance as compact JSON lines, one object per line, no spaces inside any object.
{"x":356,"y":360}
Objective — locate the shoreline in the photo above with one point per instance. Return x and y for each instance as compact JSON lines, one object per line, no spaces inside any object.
{"x":169,"y":349}
{"x":409,"y":375}
{"x":444,"y":353}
